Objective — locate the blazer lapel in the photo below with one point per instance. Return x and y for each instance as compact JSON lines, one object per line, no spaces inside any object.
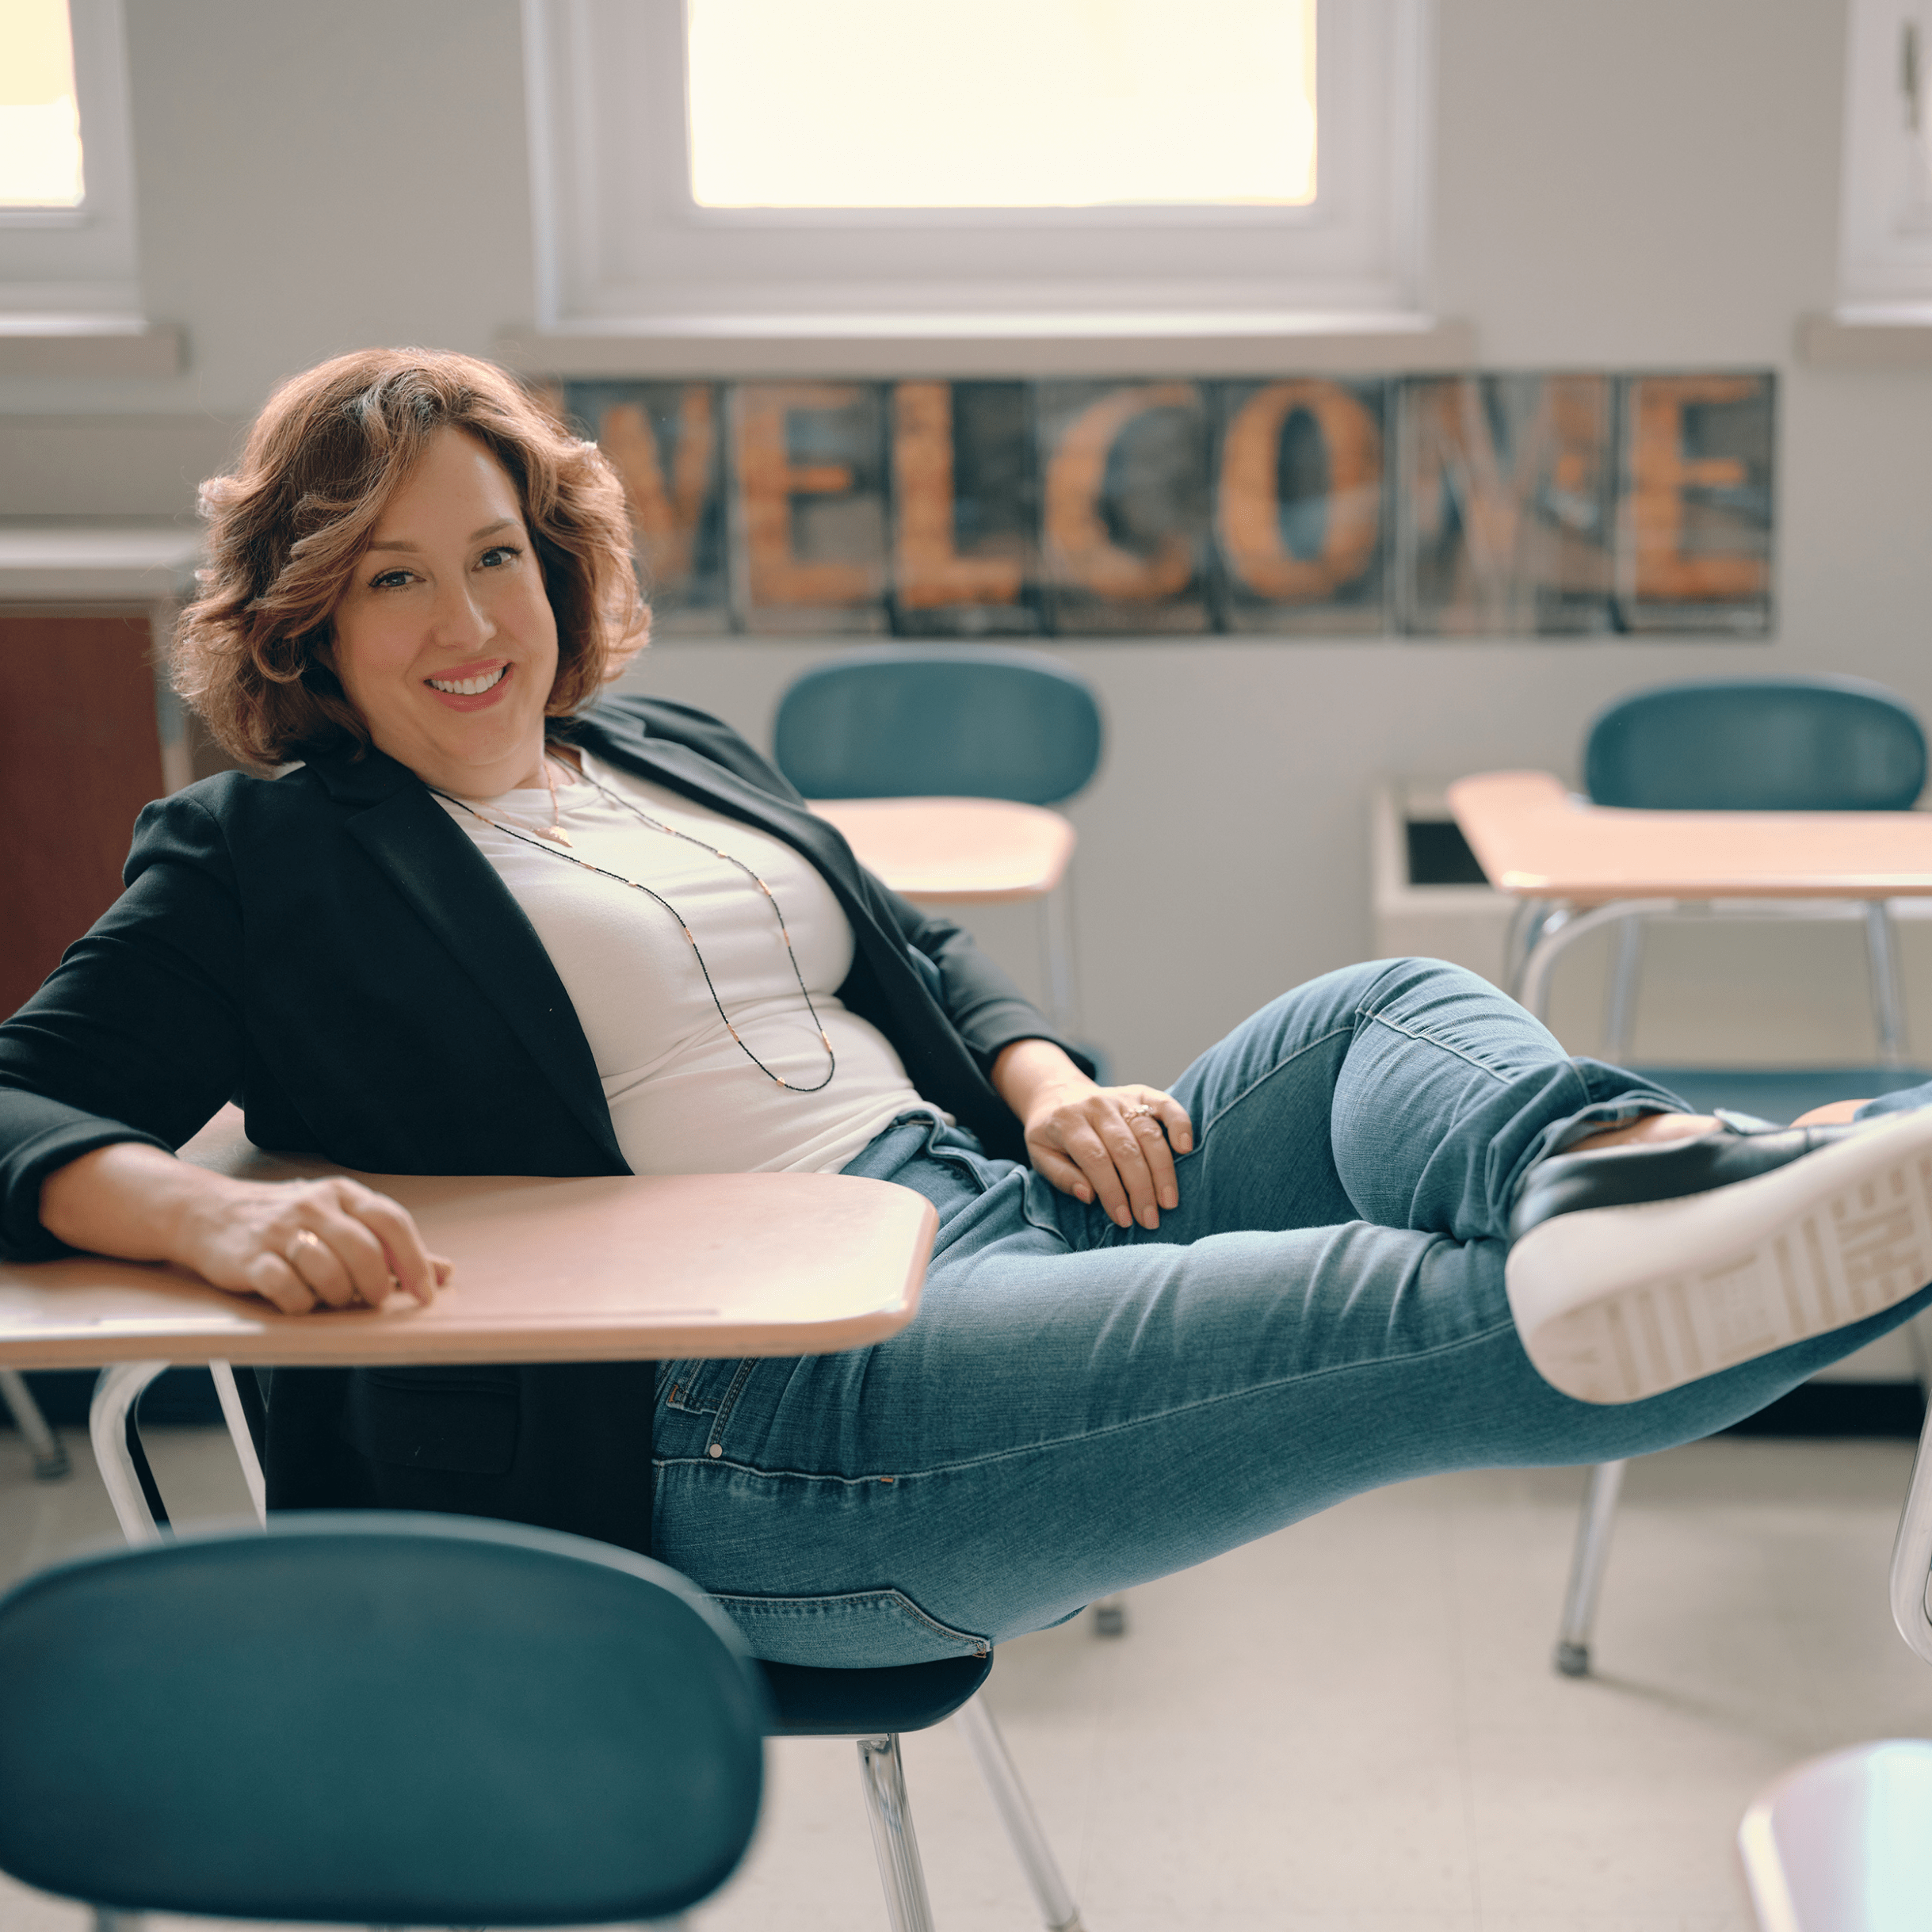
{"x":457,"y":892}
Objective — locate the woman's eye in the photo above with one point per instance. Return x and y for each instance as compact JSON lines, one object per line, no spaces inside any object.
{"x":388,"y":580}
{"x":497,"y":555}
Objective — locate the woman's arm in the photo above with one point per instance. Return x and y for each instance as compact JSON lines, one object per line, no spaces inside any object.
{"x":135,"y":1040}
{"x":294,"y":1243}
{"x":1116,"y":1145}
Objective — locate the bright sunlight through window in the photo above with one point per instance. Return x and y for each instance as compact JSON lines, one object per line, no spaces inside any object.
{"x":1009,"y":104}
{"x":39,"y":121}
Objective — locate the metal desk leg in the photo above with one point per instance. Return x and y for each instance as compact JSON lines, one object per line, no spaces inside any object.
{"x":1561,"y":928}
{"x":50,"y":1459}
{"x":123,"y":1469}
{"x":1587,"y":1565}
{"x":1619,"y":1020}
{"x":241,"y":1433}
{"x":1888,"y":1002}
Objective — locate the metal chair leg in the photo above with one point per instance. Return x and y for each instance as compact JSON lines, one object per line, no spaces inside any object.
{"x":1587,"y":1565}
{"x":884,"y":1775}
{"x":1057,"y":1910}
{"x":124,"y":1470}
{"x":50,"y":1459}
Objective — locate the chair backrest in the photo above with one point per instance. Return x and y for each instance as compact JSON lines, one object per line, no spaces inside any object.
{"x":398,"y":1720}
{"x":965,"y":721}
{"x":1757,"y":744}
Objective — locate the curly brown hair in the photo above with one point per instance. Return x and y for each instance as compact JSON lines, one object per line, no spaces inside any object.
{"x":326,"y":456}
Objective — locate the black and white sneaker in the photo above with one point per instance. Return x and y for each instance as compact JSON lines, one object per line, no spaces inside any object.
{"x":1635,"y":1269}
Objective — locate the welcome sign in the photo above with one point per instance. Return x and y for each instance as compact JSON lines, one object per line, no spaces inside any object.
{"x":1535,"y":505}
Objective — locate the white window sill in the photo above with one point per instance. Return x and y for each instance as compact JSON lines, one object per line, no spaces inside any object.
{"x":965,"y":346}
{"x":1890,"y":335}
{"x":36,"y":345}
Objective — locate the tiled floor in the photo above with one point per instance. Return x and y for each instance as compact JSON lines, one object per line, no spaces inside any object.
{"x":1351,"y":1727}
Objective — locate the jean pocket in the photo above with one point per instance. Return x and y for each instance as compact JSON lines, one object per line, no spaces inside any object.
{"x":698,"y":1387}
{"x":855,"y":1630}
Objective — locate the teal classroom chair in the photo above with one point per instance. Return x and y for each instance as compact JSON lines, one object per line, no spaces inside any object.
{"x":1746,"y":744}
{"x":968,"y":721}
{"x":874,"y":1708}
{"x":376,"y":1719}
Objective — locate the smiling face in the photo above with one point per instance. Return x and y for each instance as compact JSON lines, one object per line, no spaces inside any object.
{"x":444,"y":641}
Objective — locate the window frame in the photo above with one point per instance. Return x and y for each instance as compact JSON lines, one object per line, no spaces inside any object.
{"x":83,"y":261}
{"x":620,"y":246}
{"x":1885,"y":217}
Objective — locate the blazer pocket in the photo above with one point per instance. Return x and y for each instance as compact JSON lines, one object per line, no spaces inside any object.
{"x":460,"y":1421}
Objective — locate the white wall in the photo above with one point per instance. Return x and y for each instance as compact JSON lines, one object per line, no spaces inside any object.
{"x":1642,"y":184}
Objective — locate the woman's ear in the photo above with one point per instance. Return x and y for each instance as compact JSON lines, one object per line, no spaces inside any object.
{"x":318,"y":663}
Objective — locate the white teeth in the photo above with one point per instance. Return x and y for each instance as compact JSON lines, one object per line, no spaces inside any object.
{"x":469,"y":687}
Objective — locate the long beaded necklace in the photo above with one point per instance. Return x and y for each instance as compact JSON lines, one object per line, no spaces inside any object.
{"x":553,"y":839}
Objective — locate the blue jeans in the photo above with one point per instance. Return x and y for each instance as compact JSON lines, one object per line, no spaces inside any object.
{"x":1078,"y":1407}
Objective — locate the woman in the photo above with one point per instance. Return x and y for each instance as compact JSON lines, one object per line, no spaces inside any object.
{"x":493,"y":925}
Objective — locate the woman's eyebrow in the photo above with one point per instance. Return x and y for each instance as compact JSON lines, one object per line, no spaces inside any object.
{"x":475,"y":536}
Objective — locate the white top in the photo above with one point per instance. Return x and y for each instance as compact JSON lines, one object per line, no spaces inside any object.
{"x":683,"y":1097}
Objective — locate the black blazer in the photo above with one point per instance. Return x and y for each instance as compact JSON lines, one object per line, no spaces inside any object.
{"x":331,"y":949}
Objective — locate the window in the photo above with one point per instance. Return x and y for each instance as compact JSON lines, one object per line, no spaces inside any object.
{"x":39,"y":118}
{"x":870,"y":104}
{"x":712,"y":164}
{"x":1886,"y":228}
{"x":67,"y":203}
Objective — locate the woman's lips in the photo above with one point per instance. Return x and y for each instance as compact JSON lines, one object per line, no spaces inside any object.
{"x":496,"y":673}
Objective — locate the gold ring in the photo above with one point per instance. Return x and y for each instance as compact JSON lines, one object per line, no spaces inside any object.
{"x":306,"y":1238}
{"x":1139,"y":1111}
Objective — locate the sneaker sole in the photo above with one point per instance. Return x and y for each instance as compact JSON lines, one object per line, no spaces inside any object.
{"x":1614,"y":1304}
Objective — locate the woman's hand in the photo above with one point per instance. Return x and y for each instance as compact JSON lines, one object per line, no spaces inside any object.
{"x":298,"y":1244}
{"x":301,"y":1244}
{"x":1113,"y":1144}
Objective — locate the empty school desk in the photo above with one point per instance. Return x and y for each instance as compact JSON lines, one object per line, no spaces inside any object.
{"x":1842,"y":1843}
{"x":1578,"y":867}
{"x":963,"y":850}
{"x":607,"y":1268}
{"x":970,"y":851}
